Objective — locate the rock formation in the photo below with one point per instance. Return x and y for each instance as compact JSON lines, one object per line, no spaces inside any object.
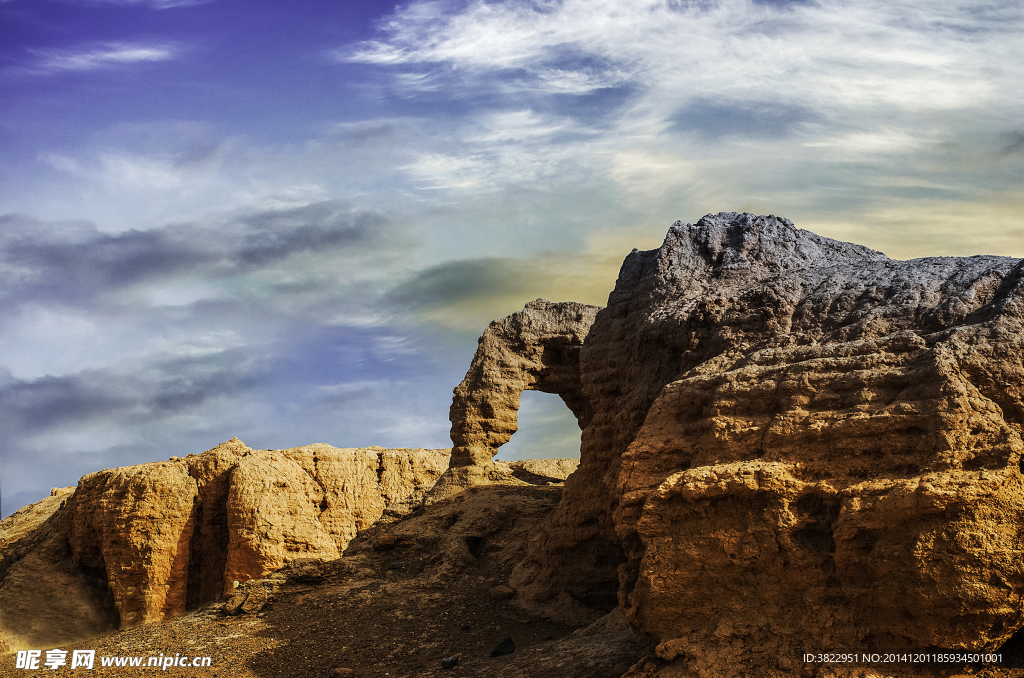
{"x":790,"y":444}
{"x":534,"y":349}
{"x":407,"y":594}
{"x":145,"y":543}
{"x":842,"y":430}
{"x":153,"y":539}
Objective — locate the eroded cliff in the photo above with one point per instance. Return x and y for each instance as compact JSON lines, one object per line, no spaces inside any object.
{"x":794,"y":443}
{"x":143,"y":543}
{"x":146,"y":543}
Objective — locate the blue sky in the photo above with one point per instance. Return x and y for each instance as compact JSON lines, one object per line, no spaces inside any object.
{"x":289,"y":221}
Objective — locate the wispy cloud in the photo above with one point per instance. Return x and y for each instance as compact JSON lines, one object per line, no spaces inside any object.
{"x":906,"y":54}
{"x":686,"y":103}
{"x":153,"y":391}
{"x":75,"y":264}
{"x":496,"y":149}
{"x":96,"y":57}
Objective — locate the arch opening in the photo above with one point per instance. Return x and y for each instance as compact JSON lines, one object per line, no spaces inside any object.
{"x":547,"y":429}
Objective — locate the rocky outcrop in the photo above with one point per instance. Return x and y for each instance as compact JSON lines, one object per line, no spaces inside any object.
{"x":843,"y":430}
{"x":790,"y":442}
{"x":133,"y":526}
{"x":534,"y":349}
{"x":409,"y":598}
{"x":145,"y":543}
{"x":20,"y":532}
{"x":151,"y":540}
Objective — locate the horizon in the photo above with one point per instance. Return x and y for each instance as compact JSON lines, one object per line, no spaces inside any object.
{"x":290,"y":224}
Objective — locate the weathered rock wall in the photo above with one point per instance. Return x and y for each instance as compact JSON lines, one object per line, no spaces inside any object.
{"x":311,"y":501}
{"x":781,"y":417}
{"x":151,"y":540}
{"x":134,"y":526}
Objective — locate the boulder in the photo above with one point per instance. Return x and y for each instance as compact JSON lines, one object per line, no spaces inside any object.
{"x":537,"y":471}
{"x":233,"y":605}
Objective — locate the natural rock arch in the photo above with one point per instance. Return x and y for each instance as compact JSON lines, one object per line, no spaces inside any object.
{"x":534,"y":349}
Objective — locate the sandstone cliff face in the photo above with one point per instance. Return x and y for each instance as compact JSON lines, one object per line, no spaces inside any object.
{"x":842,"y":429}
{"x":134,"y":525}
{"x":153,"y":539}
{"x":795,"y":442}
{"x":273,"y":511}
{"x":311,"y":501}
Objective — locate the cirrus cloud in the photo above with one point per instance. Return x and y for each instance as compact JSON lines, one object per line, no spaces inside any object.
{"x":97,"y":57}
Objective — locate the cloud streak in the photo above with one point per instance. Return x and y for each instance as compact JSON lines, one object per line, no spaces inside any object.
{"x":98,"y":57}
{"x":153,"y":391}
{"x":77,"y":264}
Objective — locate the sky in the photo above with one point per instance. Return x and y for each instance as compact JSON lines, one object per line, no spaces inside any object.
{"x":289,"y":222}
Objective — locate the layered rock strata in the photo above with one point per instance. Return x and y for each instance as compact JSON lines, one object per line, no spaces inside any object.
{"x":153,"y":539}
{"x":838,"y":456}
{"x":794,"y":443}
